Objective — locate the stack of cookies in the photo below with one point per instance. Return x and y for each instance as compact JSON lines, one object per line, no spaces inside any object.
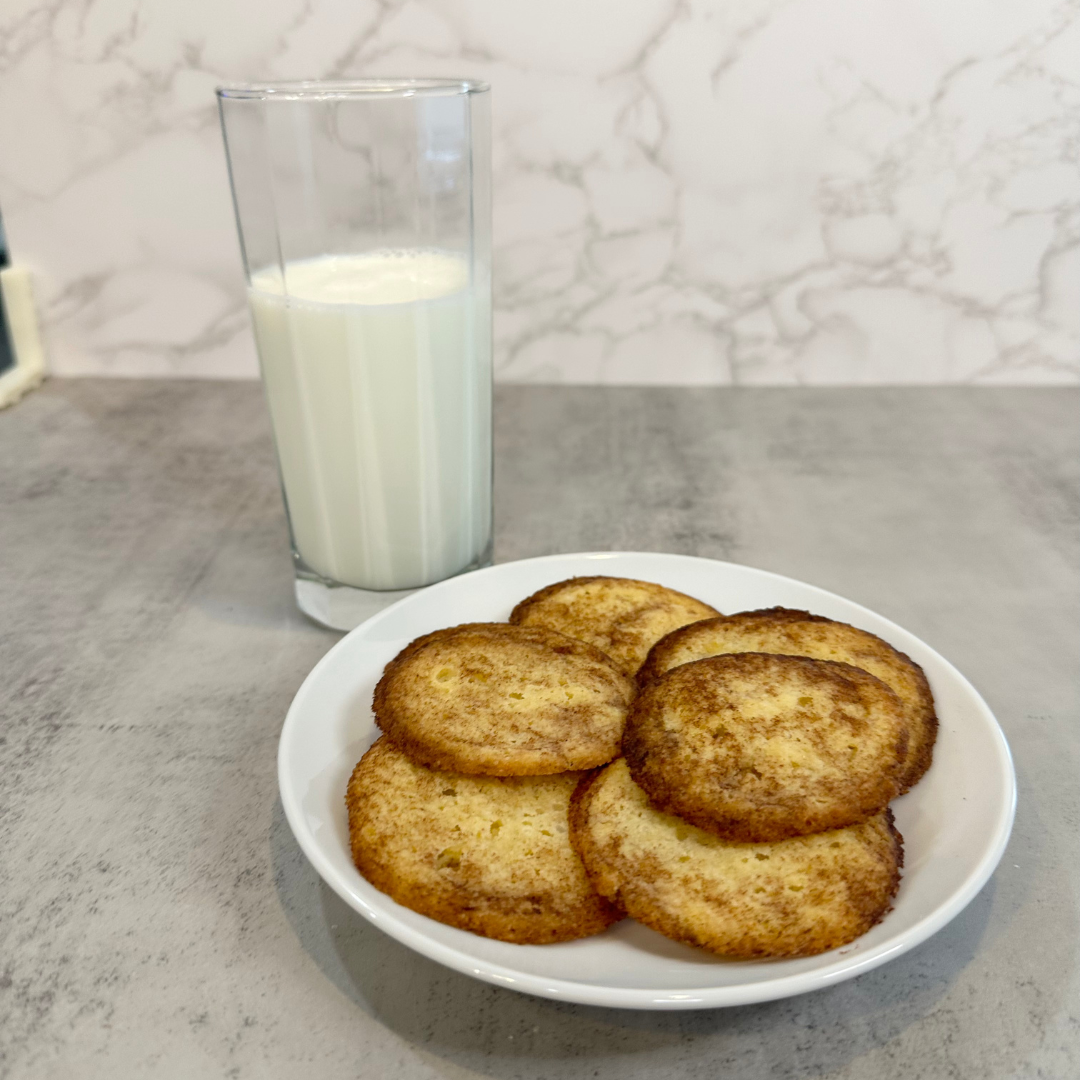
{"x":748,"y":813}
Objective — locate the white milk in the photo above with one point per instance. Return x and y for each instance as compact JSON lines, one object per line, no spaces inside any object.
{"x":378,"y":374}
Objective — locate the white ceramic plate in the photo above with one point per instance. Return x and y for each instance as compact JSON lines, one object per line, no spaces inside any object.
{"x":955,"y":823}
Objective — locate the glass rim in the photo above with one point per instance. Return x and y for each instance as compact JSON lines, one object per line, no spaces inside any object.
{"x":323,"y":90}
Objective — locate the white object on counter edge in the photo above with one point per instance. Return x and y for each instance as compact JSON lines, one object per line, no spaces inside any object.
{"x":29,"y":369}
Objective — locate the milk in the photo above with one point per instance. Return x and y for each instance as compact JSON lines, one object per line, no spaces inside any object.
{"x":377,"y":370}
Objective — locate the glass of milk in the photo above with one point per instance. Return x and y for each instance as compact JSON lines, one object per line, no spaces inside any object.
{"x":364,"y":212}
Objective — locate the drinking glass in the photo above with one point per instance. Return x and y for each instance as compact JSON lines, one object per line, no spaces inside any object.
{"x":364,"y":213}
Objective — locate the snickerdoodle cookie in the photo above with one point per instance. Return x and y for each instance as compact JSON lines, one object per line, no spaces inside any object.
{"x":757,"y":747}
{"x":796,"y":897}
{"x":500,"y":700}
{"x":798,"y":633}
{"x":620,"y":616}
{"x":484,"y":854}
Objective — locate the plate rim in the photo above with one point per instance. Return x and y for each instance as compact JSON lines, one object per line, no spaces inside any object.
{"x":604,"y":995}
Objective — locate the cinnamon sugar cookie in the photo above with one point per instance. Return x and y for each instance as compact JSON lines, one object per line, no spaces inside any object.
{"x":620,"y":616}
{"x":798,"y":633}
{"x":756,"y":747}
{"x":500,"y":700}
{"x":484,"y":854}
{"x":796,"y":897}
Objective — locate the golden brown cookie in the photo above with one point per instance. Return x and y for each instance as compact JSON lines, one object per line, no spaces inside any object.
{"x":757,"y":747}
{"x":620,"y":616}
{"x":498,"y":700}
{"x":798,"y":633}
{"x":796,"y":897}
{"x":484,"y":854}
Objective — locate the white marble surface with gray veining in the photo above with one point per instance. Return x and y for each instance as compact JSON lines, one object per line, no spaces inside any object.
{"x":157,"y":918}
{"x":686,"y":191}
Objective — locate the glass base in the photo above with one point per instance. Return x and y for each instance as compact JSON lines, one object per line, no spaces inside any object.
{"x":343,"y":607}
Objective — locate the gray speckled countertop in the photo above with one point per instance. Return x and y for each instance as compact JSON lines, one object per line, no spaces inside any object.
{"x":156,"y":916}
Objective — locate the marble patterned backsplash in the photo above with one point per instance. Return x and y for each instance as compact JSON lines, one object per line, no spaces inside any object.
{"x":686,"y":191}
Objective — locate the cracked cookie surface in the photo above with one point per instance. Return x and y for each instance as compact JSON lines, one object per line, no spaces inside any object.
{"x":484,"y":854}
{"x":758,"y":747}
{"x":795,"y":897}
{"x":622,"y":617}
{"x":798,"y":633}
{"x":500,"y":700}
